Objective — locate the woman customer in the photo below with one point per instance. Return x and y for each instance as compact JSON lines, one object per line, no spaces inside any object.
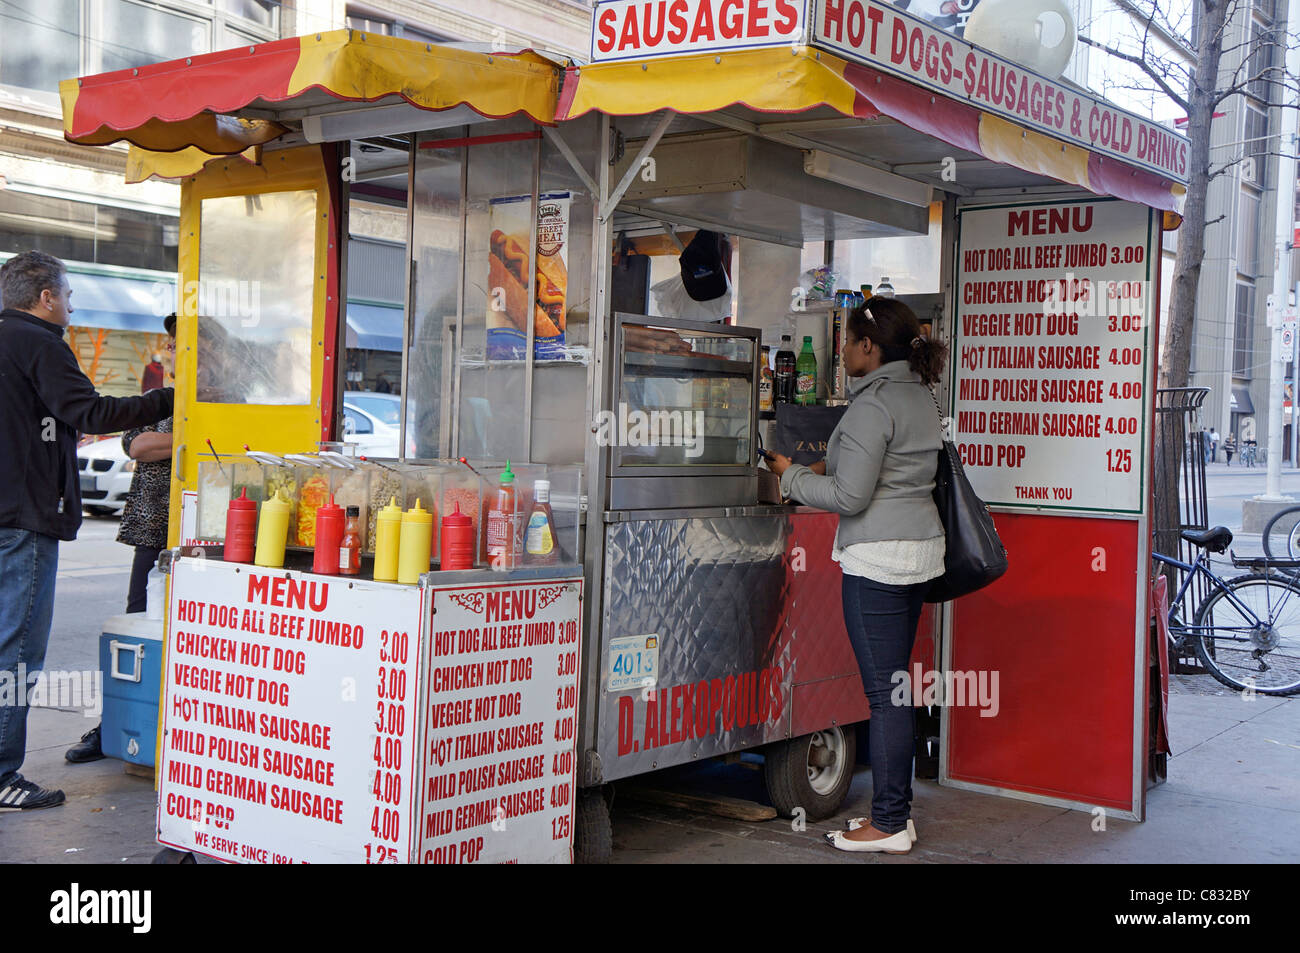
{"x":143,"y":525}
{"x":879,"y":476}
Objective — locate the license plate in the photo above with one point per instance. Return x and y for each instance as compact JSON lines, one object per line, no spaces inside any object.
{"x":88,"y":484}
{"x":633,"y":662}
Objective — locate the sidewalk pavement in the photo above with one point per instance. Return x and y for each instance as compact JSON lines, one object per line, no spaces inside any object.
{"x":1233,"y":795}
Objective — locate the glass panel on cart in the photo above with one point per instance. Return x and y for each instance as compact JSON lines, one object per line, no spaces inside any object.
{"x":688,"y":396}
{"x":435,"y":255}
{"x":254,"y":298}
{"x":565,"y":216}
{"x":498,"y":282}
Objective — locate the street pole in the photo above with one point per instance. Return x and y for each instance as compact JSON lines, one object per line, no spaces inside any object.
{"x":1286,"y":178}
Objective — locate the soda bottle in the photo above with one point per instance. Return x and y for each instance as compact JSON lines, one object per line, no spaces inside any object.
{"x":785,"y":372}
{"x":806,"y":374}
{"x":866,"y":292}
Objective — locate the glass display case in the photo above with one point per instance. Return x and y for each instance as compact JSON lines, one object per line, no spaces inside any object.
{"x":682,"y":429}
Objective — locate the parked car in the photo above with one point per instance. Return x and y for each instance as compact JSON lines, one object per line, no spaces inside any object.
{"x":105,"y":476}
{"x":373,"y":421}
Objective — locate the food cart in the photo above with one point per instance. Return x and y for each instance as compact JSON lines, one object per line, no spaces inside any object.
{"x":478,"y":715}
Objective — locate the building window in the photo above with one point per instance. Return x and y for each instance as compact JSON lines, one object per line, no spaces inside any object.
{"x":358,"y":20}
{"x":125,"y":34}
{"x":39,"y":43}
{"x":1255,"y":147}
{"x":1263,"y":46}
{"x":1248,"y":232}
{"x":86,"y":232}
{"x":1243,"y":337}
{"x":265,"y":13}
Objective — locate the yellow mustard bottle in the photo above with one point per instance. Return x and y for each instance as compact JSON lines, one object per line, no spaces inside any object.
{"x":416,"y":545}
{"x":272,"y":531}
{"x":388,"y":538}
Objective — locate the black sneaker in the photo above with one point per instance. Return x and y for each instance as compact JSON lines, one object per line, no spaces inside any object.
{"x":22,"y":795}
{"x":87,"y":749}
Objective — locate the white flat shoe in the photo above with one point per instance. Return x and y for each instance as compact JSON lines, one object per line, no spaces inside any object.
{"x":898,"y":843}
{"x":855,"y":822}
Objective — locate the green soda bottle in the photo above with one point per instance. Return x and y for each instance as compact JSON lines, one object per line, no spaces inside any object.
{"x":805,"y":369}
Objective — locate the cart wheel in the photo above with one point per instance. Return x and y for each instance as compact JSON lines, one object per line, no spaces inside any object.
{"x":593,"y":834}
{"x":811,"y":772}
{"x":169,"y":856}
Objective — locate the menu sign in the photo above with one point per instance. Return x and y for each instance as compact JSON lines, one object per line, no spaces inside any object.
{"x":1052,"y":353}
{"x":501,"y":724}
{"x":289,"y":716}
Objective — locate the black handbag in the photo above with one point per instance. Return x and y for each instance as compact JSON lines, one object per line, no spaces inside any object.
{"x":973,"y":554}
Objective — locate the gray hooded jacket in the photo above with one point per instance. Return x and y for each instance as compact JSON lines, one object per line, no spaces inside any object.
{"x":880,"y":462}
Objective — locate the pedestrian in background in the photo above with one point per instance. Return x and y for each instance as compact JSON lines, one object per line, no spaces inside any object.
{"x":45,"y":400}
{"x":1229,"y":447}
{"x":1214,"y":446}
{"x":144,"y":524}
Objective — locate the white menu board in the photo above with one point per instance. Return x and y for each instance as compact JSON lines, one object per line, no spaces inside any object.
{"x":1052,"y":353}
{"x":501,"y":724}
{"x":290,"y":716}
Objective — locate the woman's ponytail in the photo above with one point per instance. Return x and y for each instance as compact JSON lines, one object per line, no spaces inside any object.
{"x":928,"y":359}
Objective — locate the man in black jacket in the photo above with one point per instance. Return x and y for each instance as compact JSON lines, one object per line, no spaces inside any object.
{"x":45,"y":400}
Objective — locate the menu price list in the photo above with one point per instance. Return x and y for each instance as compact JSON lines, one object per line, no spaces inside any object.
{"x":501,"y":725}
{"x":267,"y":677}
{"x":1050,"y":353}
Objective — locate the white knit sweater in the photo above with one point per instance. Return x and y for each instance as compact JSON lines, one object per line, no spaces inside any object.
{"x":896,"y":562}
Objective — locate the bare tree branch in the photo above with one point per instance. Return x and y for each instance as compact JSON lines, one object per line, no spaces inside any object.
{"x":1142,"y":64}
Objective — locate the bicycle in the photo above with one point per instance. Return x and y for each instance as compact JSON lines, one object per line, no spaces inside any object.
{"x":1286,"y":544}
{"x":1246,"y":632}
{"x":1248,"y":454}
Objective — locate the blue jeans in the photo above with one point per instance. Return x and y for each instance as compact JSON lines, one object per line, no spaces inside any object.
{"x":882,"y":620}
{"x":28,"y":563}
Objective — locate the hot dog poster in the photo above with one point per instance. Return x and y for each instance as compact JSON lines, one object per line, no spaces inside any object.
{"x":510,"y":265}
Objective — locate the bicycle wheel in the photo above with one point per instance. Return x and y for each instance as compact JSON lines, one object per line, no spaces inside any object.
{"x":1254,"y":645}
{"x":1285,"y":543}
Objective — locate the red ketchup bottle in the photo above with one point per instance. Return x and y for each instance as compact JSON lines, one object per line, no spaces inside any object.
{"x":329,"y":538}
{"x":241,"y":529}
{"x":457,"y":541}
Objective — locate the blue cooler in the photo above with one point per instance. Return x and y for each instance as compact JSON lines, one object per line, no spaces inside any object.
{"x":130,"y":656}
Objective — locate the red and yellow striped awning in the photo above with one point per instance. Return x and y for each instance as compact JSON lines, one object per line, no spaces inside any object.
{"x":192,"y":105}
{"x":794,"y":80}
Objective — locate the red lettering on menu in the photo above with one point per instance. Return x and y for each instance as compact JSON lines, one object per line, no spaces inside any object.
{"x":1042,"y":221}
{"x":288,"y":593}
{"x":833,"y":19}
{"x":502,"y":606}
